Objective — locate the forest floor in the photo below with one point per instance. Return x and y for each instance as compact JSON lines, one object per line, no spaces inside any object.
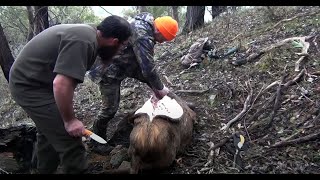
{"x":275,"y":103}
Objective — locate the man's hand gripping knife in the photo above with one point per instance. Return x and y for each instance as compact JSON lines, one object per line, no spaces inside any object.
{"x":63,"y":87}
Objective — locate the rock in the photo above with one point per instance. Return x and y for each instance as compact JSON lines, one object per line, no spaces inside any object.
{"x":8,"y":163}
{"x":116,"y":150}
{"x":118,"y":155}
{"x":124,"y":165}
{"x":127,"y":92}
{"x":19,"y":142}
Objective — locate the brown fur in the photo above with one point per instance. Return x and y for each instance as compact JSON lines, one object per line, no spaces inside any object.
{"x":155,"y":145}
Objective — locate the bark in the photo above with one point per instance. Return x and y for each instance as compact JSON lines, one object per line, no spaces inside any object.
{"x":6,"y":58}
{"x":217,"y":10}
{"x":142,"y":9}
{"x":31,"y":22}
{"x":194,"y":18}
{"x":175,"y":13}
{"x":41,"y":21}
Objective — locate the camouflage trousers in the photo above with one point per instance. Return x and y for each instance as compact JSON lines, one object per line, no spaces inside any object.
{"x":123,"y":66}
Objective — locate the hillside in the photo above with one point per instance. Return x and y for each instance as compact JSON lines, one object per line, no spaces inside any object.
{"x":274,"y":103}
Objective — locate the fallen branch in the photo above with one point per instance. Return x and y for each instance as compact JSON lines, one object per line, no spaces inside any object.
{"x":240,"y":115}
{"x":295,"y":79}
{"x":262,"y":91}
{"x":272,"y":99}
{"x":3,"y":171}
{"x":235,"y":37}
{"x":210,"y":158}
{"x":304,"y":53}
{"x":261,"y":111}
{"x":284,"y":20}
{"x":315,"y":43}
{"x":309,"y":137}
{"x":290,"y":19}
{"x":314,"y":111}
{"x":256,"y":55}
{"x":168,"y":80}
{"x":277,"y":100}
{"x":192,"y":91}
{"x":221,"y":143}
{"x":293,"y":135}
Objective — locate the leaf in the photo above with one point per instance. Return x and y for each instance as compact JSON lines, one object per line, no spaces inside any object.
{"x":297,"y":44}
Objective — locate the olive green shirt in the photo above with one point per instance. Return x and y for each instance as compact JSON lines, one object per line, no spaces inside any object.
{"x":68,"y":49}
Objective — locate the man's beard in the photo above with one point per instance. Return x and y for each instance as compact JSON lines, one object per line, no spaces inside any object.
{"x":106,"y":53}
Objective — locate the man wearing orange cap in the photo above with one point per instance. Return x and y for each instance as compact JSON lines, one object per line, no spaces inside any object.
{"x":135,"y":61}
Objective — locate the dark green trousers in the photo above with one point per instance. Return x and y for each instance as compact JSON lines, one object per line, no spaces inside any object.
{"x":54,"y":145}
{"x":123,"y":66}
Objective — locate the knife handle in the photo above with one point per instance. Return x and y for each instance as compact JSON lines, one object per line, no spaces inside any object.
{"x":87,"y":132}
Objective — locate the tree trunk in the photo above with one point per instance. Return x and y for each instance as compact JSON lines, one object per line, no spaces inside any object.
{"x":6,"y":58}
{"x":41,"y":19}
{"x":175,"y":13}
{"x":143,"y":9}
{"x":31,"y":24}
{"x":217,"y":10}
{"x":272,"y":15}
{"x":194,"y":18}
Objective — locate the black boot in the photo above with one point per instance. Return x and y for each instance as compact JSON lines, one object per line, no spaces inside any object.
{"x":102,"y":149}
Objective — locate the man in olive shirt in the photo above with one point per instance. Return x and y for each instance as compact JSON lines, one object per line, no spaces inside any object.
{"x":43,"y":79}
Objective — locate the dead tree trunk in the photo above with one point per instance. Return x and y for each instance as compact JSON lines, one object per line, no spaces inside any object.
{"x":6,"y":58}
{"x":31,"y":24}
{"x":194,"y":18}
{"x":271,"y":14}
{"x":41,"y":19}
{"x":142,"y":9}
{"x":217,"y":10}
{"x":175,"y":13}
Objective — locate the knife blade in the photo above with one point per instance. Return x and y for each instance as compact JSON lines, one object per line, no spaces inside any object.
{"x":94,"y":136}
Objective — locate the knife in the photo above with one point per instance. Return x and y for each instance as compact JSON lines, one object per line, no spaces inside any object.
{"x":94,"y":136}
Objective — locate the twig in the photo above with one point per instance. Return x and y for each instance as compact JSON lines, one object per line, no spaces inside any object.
{"x":293,"y":135}
{"x":244,"y":121}
{"x":262,"y":91}
{"x":240,"y":115}
{"x":105,"y":10}
{"x":295,"y":79}
{"x":312,"y":112}
{"x":221,"y":143}
{"x":235,"y":37}
{"x":289,"y":19}
{"x":261,"y":111}
{"x":284,"y":20}
{"x":210,"y":157}
{"x":168,"y":80}
{"x":256,"y":55}
{"x":304,"y":53}
{"x":315,"y":43}
{"x":285,"y":86}
{"x":191,"y":91}
{"x":235,"y":158}
{"x":277,"y":100}
{"x":1,"y":170}
{"x":309,"y":137}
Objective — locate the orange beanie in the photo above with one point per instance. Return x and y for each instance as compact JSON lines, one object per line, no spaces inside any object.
{"x":167,"y":26}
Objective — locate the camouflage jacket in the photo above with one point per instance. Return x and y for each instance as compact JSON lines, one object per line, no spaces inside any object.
{"x":142,"y":43}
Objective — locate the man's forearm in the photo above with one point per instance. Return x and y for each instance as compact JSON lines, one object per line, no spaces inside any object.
{"x":63,"y":89}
